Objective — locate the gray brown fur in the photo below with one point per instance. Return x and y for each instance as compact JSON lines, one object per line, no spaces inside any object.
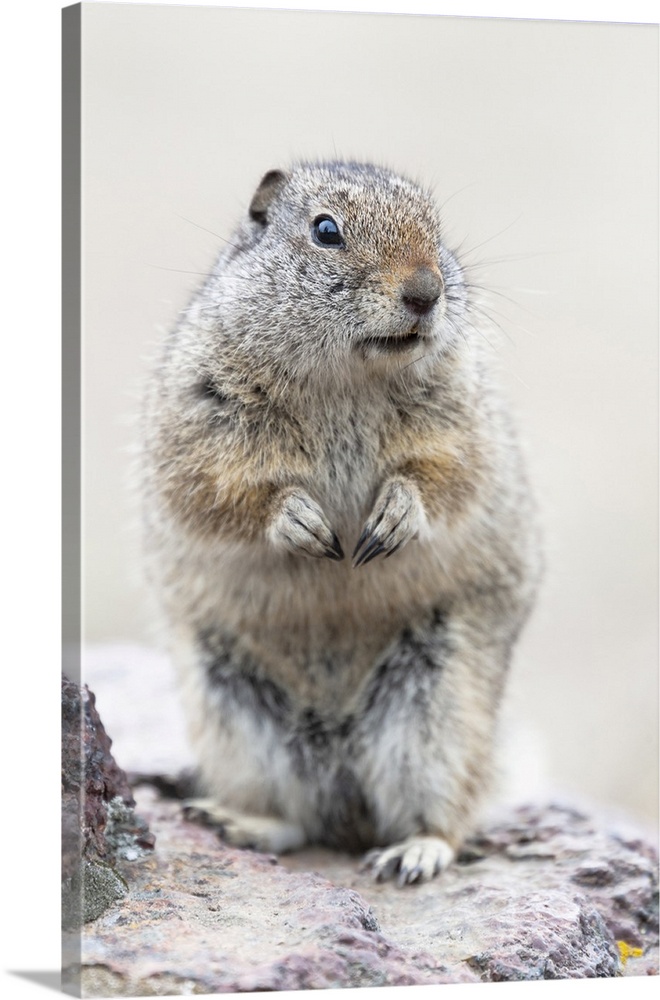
{"x":314,"y":398}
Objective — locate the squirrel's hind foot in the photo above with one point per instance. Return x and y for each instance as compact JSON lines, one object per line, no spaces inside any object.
{"x":416,"y":859}
{"x":267,"y":834}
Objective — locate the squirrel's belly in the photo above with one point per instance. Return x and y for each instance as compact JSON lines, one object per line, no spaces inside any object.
{"x":320,"y":601}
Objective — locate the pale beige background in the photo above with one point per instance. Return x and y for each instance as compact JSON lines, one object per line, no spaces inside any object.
{"x":544,"y":138}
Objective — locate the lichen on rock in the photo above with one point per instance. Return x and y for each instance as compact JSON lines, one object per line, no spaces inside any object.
{"x":99,"y":824}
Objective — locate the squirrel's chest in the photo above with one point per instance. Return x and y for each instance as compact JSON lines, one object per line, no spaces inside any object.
{"x":349,"y":455}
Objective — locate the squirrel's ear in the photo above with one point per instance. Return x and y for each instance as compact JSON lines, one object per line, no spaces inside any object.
{"x":271,"y":183}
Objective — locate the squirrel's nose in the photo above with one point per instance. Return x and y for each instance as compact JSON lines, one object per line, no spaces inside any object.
{"x":421,"y":290}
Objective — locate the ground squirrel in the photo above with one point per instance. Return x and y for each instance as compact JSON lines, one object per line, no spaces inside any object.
{"x":327,"y":391}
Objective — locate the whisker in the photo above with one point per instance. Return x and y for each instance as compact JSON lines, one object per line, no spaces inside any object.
{"x":486,"y":291}
{"x":494,"y":236}
{"x":177,"y":270}
{"x":209,"y":231}
{"x":414,"y":361}
{"x":509,"y":258}
{"x":455,"y":193}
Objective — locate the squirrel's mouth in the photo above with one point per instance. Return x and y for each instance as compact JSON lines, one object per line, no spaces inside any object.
{"x":396,"y":344}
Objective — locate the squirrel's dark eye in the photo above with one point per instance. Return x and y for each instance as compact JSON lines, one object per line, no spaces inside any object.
{"x":326,"y":232}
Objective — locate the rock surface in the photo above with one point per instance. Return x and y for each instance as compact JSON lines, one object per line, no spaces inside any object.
{"x":542,"y":892}
{"x":98,"y":822}
{"x":543,"y":895}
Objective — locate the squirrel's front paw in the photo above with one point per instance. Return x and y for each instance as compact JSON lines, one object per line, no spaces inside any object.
{"x":299,"y":525}
{"x":397,"y":517}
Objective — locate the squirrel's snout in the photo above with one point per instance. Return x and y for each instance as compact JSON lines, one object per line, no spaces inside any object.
{"x":421,"y":290}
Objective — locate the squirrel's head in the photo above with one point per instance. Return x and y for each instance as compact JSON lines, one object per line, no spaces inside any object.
{"x":339,"y":265}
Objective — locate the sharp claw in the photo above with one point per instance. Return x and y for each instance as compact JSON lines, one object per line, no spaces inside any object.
{"x":410,"y":875}
{"x":369,"y":859}
{"x":392,"y":551}
{"x":388,"y":869}
{"x":372,"y":555}
{"x":362,"y":539}
{"x":374,"y":543}
{"x":194,"y":813}
{"x":336,"y":547}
